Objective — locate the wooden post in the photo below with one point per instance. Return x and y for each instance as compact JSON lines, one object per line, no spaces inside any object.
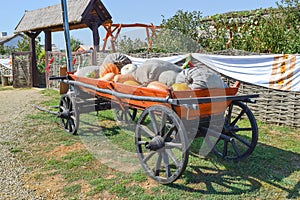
{"x":63,"y":87}
{"x":96,"y":41}
{"x":34,"y":70}
{"x":48,"y":48}
{"x":48,"y":41}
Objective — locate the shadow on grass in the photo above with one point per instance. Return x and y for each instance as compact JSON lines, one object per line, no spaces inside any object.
{"x":267,"y":168}
{"x":266,"y":165}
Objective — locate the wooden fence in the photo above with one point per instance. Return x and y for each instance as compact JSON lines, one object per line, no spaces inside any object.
{"x":22,"y":76}
{"x":56,"y":60}
{"x":274,"y":106}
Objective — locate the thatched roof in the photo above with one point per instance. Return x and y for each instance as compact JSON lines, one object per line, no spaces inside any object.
{"x":80,"y":14}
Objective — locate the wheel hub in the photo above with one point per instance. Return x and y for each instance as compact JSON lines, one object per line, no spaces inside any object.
{"x":65,"y":114}
{"x":229,"y":130}
{"x":155,"y":144}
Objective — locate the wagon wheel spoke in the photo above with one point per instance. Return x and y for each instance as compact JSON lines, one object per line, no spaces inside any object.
{"x":163,"y":123}
{"x":154,"y":122}
{"x":237,"y":118}
{"x":127,"y":115}
{"x":167,"y":164}
{"x":236,"y":150}
{"x":64,"y":103}
{"x":170,"y":132}
{"x":242,"y":140}
{"x":69,"y":103}
{"x":150,"y":134}
{"x":225,"y":149}
{"x":173,"y":157}
{"x":71,"y":124}
{"x":66,"y":125}
{"x":237,"y":129}
{"x":158,"y":165}
{"x":148,"y":157}
{"x":61,"y":108}
{"x":173,"y":145}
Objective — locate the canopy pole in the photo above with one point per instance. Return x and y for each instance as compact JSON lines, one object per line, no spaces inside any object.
{"x":67,"y":35}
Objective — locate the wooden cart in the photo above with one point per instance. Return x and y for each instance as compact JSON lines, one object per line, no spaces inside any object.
{"x":169,"y":120}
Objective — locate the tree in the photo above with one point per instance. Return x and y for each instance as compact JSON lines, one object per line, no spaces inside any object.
{"x":170,"y":41}
{"x":75,"y":43}
{"x":127,"y":45}
{"x":24,"y":44}
{"x":184,"y":22}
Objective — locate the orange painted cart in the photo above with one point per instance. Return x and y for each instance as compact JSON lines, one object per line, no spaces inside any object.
{"x":169,"y":120}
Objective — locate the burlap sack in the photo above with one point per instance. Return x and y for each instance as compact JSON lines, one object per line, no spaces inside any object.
{"x":88,"y":71}
{"x":150,"y":70}
{"x":168,"y":77}
{"x":118,"y":59}
{"x":200,"y":77}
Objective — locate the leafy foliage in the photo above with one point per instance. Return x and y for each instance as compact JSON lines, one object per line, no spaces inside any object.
{"x":6,"y":50}
{"x":262,"y":31}
{"x":173,"y":41}
{"x":128,"y":45}
{"x":186,"y":23}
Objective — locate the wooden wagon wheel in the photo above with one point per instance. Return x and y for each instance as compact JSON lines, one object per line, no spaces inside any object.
{"x":127,"y":115}
{"x":68,"y":114}
{"x":161,"y":144}
{"x":240,"y":126}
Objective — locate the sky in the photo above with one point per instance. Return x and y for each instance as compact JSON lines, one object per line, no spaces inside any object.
{"x":129,"y":11}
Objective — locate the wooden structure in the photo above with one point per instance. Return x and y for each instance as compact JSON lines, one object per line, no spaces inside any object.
{"x":82,"y":14}
{"x":111,"y":28}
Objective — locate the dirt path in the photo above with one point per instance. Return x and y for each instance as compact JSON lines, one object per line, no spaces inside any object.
{"x":14,"y":106}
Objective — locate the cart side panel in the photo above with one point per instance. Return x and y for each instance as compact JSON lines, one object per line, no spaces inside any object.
{"x":205,"y":109}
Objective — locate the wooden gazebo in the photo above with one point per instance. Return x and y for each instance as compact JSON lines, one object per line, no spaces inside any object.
{"x":82,"y":14}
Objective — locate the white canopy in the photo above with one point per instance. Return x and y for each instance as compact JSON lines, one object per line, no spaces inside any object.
{"x":276,"y":71}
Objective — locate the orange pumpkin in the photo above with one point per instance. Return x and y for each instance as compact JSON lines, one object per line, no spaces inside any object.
{"x":108,"y":68}
{"x":157,"y":86}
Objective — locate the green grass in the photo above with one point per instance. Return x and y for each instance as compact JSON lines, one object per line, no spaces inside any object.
{"x":271,"y":172}
{"x":3,"y":88}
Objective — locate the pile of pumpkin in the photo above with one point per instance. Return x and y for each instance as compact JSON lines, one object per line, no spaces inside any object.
{"x":110,"y":72}
{"x":157,"y":74}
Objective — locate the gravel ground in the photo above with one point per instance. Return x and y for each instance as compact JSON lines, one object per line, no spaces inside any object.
{"x":15,"y":105}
